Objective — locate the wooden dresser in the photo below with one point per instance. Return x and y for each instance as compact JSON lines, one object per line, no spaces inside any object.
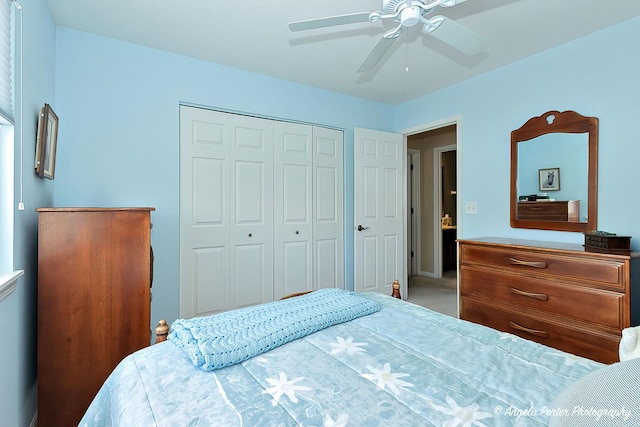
{"x":557,"y":294}
{"x":568,"y":210}
{"x":94,"y":275}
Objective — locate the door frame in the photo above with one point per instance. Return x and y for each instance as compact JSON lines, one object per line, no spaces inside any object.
{"x":437,"y":206}
{"x":425,"y":127}
{"x":413,"y":238}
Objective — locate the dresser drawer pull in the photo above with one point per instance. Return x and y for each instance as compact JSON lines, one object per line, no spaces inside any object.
{"x":534,"y":264}
{"x":536,"y":332}
{"x":541,"y":297}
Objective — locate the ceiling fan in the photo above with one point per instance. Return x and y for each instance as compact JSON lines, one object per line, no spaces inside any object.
{"x":407,"y":13}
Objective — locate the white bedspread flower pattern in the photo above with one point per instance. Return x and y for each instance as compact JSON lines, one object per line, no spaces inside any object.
{"x":385,"y":378}
{"x":467,"y":416}
{"x":282,"y":386}
{"x":347,"y":345}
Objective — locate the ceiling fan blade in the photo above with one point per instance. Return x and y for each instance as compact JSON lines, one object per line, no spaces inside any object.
{"x":330,"y":21}
{"x":376,"y":54}
{"x":455,"y":34}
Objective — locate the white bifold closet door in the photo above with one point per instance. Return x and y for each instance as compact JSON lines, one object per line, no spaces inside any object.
{"x":293,"y":225}
{"x":253,"y":225}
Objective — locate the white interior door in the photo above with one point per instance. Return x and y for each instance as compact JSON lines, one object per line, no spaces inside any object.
{"x":293,"y":228}
{"x":379,"y":250}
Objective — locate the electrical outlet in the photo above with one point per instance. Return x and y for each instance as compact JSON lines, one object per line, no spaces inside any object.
{"x":471,"y":208}
{"x":20,"y":206}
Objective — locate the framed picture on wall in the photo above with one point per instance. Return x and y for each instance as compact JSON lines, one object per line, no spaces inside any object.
{"x":549,"y":179}
{"x":46,"y":142}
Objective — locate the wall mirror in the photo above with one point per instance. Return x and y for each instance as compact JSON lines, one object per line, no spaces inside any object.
{"x":554,"y":173}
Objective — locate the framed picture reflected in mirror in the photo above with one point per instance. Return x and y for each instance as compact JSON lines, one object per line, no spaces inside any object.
{"x":549,"y":179}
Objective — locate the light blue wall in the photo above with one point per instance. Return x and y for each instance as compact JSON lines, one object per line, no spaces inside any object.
{"x":18,"y":312}
{"x":596,"y":75}
{"x":118,"y":135}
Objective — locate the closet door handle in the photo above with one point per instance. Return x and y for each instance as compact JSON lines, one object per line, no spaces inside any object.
{"x":536,"y":332}
{"x":534,"y":264}
{"x":541,"y":297}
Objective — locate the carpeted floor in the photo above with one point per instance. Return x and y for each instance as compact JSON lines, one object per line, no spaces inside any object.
{"x":436,"y":294}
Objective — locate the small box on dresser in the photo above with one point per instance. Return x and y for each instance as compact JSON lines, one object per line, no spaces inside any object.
{"x":560,"y":295}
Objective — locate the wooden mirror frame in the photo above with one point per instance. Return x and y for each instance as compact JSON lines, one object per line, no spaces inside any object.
{"x":562,"y":122}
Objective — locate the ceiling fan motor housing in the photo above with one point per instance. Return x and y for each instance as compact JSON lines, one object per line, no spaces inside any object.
{"x":410,"y":16}
{"x":410,"y":12}
{"x":390,"y":7}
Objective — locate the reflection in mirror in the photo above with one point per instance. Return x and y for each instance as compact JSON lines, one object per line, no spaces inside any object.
{"x":554,"y":173}
{"x":566,"y":155}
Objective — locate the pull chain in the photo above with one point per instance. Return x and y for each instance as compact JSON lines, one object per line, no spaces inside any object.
{"x":406,"y":68}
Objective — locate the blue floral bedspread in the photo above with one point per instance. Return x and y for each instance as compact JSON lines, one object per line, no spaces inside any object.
{"x":402,"y":366}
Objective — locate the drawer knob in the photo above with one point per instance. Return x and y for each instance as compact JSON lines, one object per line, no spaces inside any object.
{"x":541,"y":297}
{"x":534,"y":264}
{"x":536,"y":332}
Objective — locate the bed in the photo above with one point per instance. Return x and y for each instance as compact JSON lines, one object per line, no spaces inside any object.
{"x":401,"y":365}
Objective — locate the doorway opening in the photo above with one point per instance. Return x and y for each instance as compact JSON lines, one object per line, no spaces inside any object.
{"x":432,"y":217}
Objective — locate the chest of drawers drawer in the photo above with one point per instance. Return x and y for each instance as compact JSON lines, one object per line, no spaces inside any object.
{"x":596,"y":306}
{"x":572,"y":338}
{"x":582,"y":270}
{"x":557,"y":294}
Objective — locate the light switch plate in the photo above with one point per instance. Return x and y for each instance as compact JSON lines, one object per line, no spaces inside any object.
{"x":471,"y":208}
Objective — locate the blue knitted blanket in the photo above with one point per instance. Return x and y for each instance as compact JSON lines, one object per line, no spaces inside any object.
{"x":232,"y":337}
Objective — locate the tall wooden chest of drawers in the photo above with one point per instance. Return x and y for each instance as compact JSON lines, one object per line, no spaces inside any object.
{"x":94,"y":273}
{"x":557,"y":294}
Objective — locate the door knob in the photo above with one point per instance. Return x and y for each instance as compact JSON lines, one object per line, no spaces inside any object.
{"x":361,"y":228}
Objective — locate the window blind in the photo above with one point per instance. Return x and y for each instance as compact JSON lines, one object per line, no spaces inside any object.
{"x":6,"y":84}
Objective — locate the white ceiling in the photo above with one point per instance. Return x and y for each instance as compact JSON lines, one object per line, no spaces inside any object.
{"x":253,"y":35}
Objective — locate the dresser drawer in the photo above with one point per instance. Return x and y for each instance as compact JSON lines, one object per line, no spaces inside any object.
{"x":550,"y":211}
{"x":604,"y":271}
{"x":571,"y":338}
{"x":580,"y":303}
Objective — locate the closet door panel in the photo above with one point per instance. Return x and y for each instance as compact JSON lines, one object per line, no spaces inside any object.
{"x":210,"y":262}
{"x":205,"y":181}
{"x":293,"y":225}
{"x":328,"y":221}
{"x":326,"y":254}
{"x":252,"y":274}
{"x":296,"y":263}
{"x":251,"y":211}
